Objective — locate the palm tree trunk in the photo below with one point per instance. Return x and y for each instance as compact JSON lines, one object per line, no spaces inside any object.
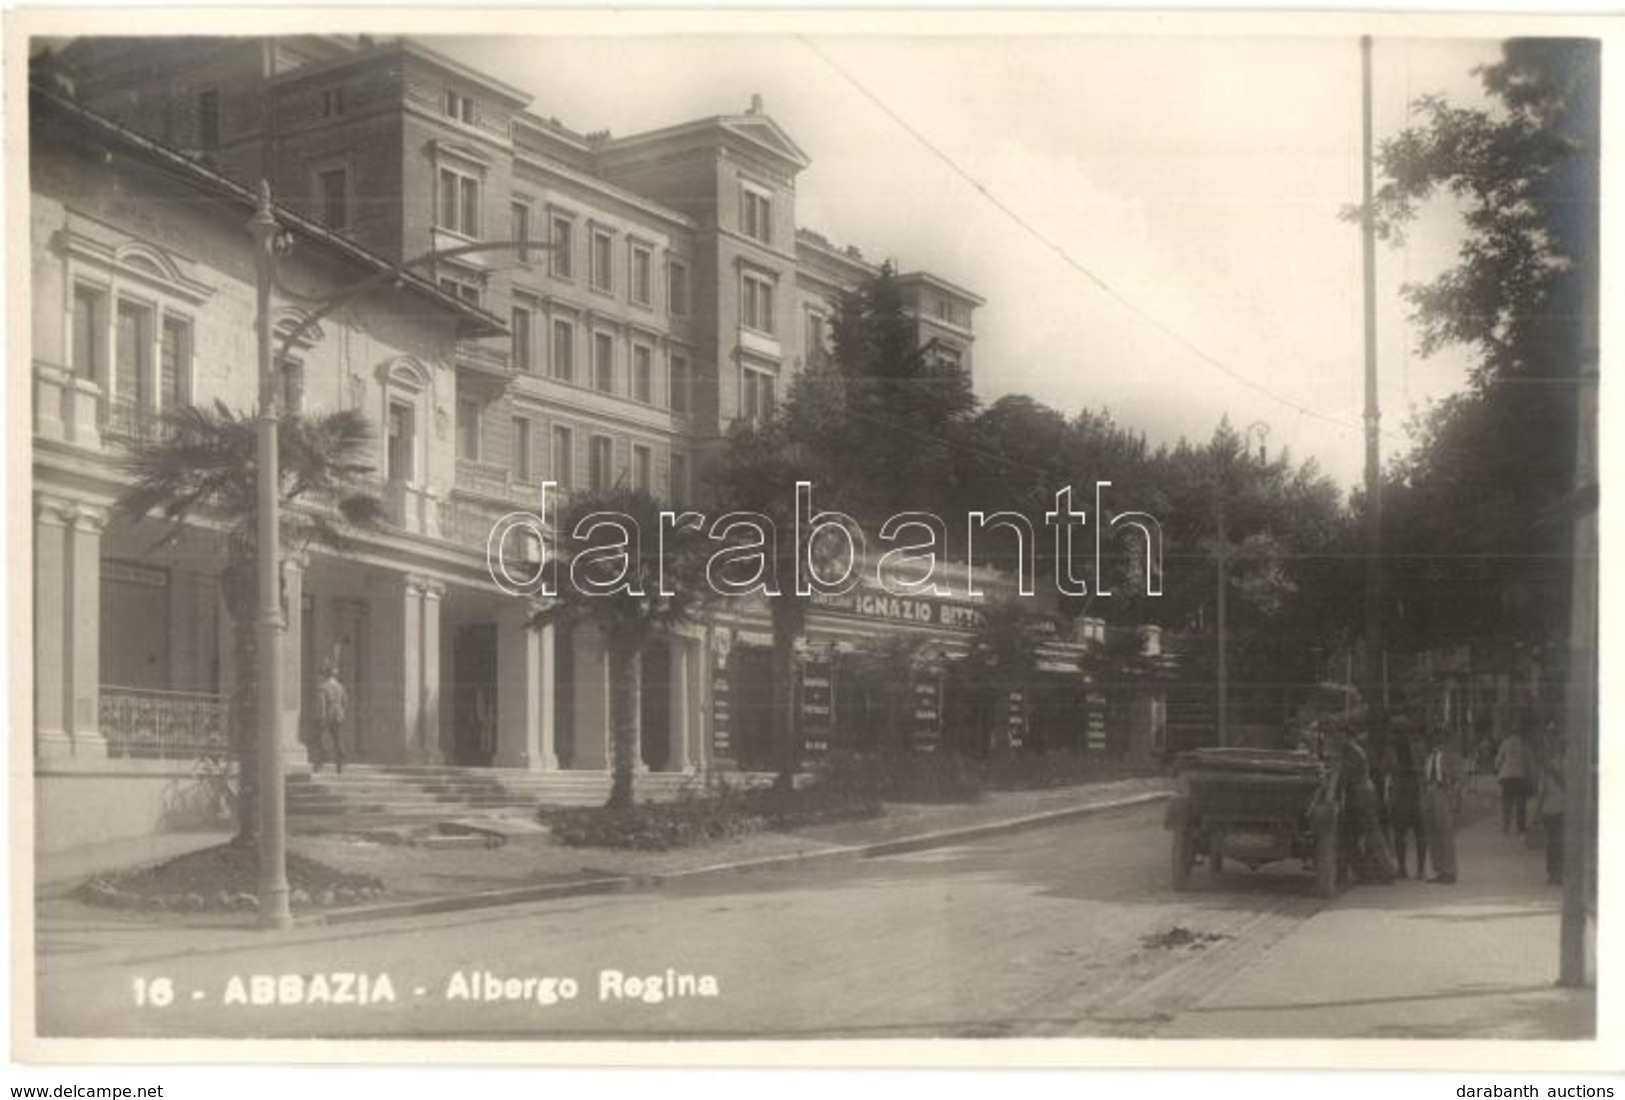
{"x":788,"y":620}
{"x":624,"y":747}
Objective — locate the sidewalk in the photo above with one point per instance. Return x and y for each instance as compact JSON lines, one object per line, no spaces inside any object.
{"x":530,"y":867}
{"x":1415,"y":960}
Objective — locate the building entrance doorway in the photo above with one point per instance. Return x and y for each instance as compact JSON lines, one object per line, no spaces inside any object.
{"x":474,"y":696}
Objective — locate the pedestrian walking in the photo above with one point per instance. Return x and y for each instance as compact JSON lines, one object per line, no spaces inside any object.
{"x":1552,"y":806}
{"x":1405,"y":803}
{"x":333,"y":703}
{"x":1513,"y":771}
{"x":1438,"y":820}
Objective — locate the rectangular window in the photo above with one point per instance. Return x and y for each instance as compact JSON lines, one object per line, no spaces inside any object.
{"x":564,"y":457}
{"x":817,"y":336}
{"x":521,"y":339}
{"x":643,"y":375}
{"x":400,"y":441}
{"x":134,"y":354}
{"x":457,"y":288}
{"x":89,"y":332}
{"x":603,"y":362}
{"x":459,"y":203}
{"x":332,"y":102}
{"x":600,"y":466}
{"x":208,"y":119}
{"x":521,"y":448}
{"x":563,"y":255}
{"x":756,"y":213}
{"x":642,"y":468}
{"x":677,"y":289}
{"x":564,"y":351}
{"x":757,"y":400}
{"x":679,"y":479}
{"x":468,"y":428}
{"x":642,"y":275}
{"x":679,"y":385}
{"x":293,"y":388}
{"x":603,"y":261}
{"x":459,"y":107}
{"x":333,"y":187}
{"x":757,"y":303}
{"x":174,"y":363}
{"x":521,"y":228}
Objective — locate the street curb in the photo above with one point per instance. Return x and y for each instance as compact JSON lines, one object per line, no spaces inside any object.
{"x":487,"y":899}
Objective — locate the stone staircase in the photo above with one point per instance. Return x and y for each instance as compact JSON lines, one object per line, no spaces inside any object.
{"x":375,"y":795}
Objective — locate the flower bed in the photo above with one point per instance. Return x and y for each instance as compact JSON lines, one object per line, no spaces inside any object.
{"x":714,"y":815}
{"x":225,"y":878}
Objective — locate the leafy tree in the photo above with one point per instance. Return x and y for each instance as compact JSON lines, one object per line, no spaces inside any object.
{"x":202,"y":469}
{"x":904,"y":408}
{"x":632,"y":586}
{"x":885,"y":668}
{"x":1476,"y":515}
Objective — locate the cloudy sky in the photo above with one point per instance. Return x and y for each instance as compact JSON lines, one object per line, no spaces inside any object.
{"x":1197,"y":178}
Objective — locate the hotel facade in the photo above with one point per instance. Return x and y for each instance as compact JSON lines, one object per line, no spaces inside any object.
{"x":675,"y":295}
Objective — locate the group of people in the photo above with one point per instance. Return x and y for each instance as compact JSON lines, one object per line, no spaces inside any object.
{"x":1421,"y":781}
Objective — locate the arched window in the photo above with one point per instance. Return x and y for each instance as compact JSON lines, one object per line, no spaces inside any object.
{"x":407,"y":402}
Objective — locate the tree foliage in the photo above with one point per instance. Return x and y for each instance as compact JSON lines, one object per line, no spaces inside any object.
{"x":1476,"y":513}
{"x":202,"y":468}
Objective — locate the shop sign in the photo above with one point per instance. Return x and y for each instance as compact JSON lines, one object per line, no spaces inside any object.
{"x":869,"y":603}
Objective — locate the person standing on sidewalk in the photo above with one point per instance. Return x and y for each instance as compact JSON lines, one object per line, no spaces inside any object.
{"x":1552,"y":807}
{"x":1405,"y":803}
{"x":1513,"y":772}
{"x":1438,"y":820}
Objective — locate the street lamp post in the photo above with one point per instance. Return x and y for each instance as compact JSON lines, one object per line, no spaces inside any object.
{"x":274,"y":911}
{"x":273,"y":854}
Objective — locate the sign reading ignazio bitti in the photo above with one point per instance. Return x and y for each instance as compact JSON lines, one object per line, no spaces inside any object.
{"x":871,"y":604}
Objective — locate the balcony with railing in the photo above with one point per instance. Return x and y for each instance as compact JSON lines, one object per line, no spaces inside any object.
{"x":486,"y":478}
{"x":487,"y":362}
{"x":124,"y":420}
{"x":145,"y":724}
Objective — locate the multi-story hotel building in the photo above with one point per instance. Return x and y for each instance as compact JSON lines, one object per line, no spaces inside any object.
{"x":674,"y":295}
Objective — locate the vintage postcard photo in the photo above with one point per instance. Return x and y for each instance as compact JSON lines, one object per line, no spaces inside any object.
{"x":647,"y":537}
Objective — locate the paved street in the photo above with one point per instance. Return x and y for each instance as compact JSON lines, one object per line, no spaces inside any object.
{"x":1049,"y":931}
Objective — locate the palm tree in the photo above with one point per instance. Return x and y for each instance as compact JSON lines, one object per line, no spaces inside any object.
{"x":202,"y":468}
{"x":615,"y":586}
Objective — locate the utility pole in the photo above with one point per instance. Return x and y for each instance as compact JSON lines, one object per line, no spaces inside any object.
{"x":1577,"y":217}
{"x":1222,"y":556}
{"x":273,"y":849}
{"x":1373,"y":420}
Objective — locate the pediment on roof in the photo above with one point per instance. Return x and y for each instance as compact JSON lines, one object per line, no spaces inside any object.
{"x":763,"y":131}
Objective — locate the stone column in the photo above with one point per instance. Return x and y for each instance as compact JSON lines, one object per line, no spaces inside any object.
{"x":295,"y":754}
{"x":591,"y":700}
{"x":84,"y":632}
{"x":51,"y":519}
{"x":681,"y":755}
{"x":411,"y":681}
{"x":429,"y":751}
{"x":519,"y":691}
